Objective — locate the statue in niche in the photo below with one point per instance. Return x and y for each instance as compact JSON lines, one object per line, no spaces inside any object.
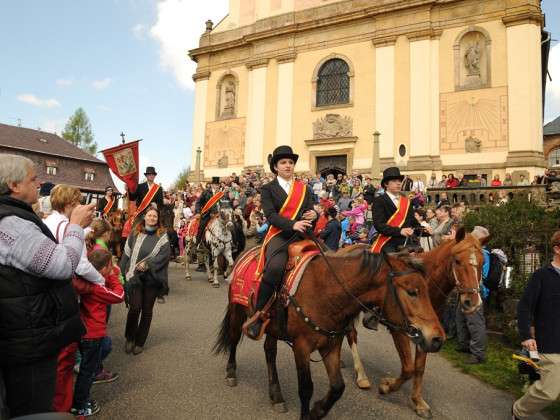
{"x":229,"y":99}
{"x":331,"y":126}
{"x":472,"y":60}
{"x":473,"y":145}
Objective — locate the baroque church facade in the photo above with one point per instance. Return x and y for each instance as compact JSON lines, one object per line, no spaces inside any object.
{"x":442,"y":85}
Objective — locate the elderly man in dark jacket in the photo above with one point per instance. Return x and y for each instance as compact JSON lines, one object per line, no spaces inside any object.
{"x":39,"y":312}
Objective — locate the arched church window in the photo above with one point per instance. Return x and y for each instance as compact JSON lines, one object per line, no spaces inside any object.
{"x":554,"y":158}
{"x":333,"y":83}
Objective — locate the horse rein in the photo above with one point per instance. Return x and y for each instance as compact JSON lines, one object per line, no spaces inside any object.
{"x":406,"y":328}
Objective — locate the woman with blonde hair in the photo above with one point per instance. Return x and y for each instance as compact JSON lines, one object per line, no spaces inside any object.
{"x":64,"y":199}
{"x":144,"y":264}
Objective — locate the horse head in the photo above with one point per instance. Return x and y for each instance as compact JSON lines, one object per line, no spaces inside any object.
{"x":407,"y":301}
{"x":466,"y":266}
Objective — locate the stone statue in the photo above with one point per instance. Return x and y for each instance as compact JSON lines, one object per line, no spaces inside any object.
{"x":331,"y":126}
{"x":473,"y":145}
{"x":229,"y":99}
{"x":472,"y":60}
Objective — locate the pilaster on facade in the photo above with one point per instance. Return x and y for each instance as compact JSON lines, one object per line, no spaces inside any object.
{"x":385,"y":99}
{"x":284,"y":105}
{"x":256,"y":115}
{"x":199,"y":123}
{"x":420,"y":98}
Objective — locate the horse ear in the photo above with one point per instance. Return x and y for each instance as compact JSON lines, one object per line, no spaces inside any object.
{"x":460,"y":235}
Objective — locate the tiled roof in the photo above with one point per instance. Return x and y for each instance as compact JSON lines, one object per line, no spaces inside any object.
{"x":552,"y":128}
{"x":71,"y":161}
{"x":40,"y":141}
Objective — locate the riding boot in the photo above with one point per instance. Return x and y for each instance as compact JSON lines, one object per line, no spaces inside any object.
{"x":255,"y":326}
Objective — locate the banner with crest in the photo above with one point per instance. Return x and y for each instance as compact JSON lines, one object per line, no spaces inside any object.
{"x":123,"y":162}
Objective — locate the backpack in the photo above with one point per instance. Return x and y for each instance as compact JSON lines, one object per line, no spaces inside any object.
{"x":496,"y":270}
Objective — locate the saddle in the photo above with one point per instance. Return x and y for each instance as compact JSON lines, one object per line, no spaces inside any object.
{"x":244,"y":284}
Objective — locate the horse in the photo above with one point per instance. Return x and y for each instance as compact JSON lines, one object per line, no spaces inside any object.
{"x":219,"y":237}
{"x":332,"y":292}
{"x":455,"y":264}
{"x":116,"y":243}
{"x":217,"y":246}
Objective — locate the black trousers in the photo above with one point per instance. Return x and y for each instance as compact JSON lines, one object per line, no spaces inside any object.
{"x":202,"y":227}
{"x":30,"y":388}
{"x":141,"y":307}
{"x":276,"y":256}
{"x":90,"y":350}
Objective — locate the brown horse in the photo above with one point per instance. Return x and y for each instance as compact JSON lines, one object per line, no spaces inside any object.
{"x":116,"y":220}
{"x":332,"y":292}
{"x":456,"y":264}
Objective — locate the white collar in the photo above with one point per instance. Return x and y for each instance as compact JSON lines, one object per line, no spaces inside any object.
{"x":392,"y":196}
{"x":284,"y":181}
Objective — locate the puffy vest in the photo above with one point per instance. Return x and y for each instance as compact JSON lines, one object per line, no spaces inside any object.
{"x":38,"y":316}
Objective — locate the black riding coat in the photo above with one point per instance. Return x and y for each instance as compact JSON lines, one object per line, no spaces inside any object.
{"x":38,"y":316}
{"x":141,"y":192}
{"x":273,"y":197}
{"x":382,"y":210}
{"x":103,"y":202}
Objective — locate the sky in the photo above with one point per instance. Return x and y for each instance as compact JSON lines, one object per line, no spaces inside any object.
{"x":125,"y":62}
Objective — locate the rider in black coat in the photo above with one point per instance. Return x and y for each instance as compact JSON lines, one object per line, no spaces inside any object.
{"x":273,"y":195}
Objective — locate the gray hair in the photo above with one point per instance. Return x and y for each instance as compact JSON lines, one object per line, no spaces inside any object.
{"x":13,"y":168}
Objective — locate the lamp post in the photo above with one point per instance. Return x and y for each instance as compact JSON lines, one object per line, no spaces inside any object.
{"x":375,"y":164}
{"x":198,"y":152}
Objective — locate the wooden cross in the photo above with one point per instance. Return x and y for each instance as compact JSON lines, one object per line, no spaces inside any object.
{"x":122,"y":135}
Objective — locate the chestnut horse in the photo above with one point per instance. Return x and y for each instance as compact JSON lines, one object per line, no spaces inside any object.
{"x":455,"y":264}
{"x":116,"y":242}
{"x":333,"y":291}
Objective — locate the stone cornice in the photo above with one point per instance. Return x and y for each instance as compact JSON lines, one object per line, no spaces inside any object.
{"x":257,"y":63}
{"x":201,"y":75}
{"x":524,"y":17}
{"x":286,"y":58}
{"x":332,"y":140}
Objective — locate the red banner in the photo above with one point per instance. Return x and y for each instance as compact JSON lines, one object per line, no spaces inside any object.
{"x":123,"y":162}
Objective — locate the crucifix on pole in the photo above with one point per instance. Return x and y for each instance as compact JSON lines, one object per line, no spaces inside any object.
{"x":122,"y":136}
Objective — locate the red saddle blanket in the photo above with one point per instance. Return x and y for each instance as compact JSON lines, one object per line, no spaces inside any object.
{"x":244,"y":284}
{"x":193,"y":227}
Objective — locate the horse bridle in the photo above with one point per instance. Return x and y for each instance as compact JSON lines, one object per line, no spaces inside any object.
{"x":406,"y":328}
{"x":466,"y":290}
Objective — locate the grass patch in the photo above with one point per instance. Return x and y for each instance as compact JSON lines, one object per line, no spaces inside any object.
{"x":499,"y":370}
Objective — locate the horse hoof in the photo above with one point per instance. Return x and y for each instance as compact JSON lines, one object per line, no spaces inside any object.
{"x":280,"y":407}
{"x":216,"y":285}
{"x":425,"y":414}
{"x":363,"y":384}
{"x":231,"y":382}
{"x":188,"y":277}
{"x":384,"y":389}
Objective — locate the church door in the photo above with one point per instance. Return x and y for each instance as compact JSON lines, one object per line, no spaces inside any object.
{"x":331,"y":165}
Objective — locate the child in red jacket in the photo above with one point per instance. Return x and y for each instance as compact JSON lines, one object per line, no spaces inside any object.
{"x":93,"y":311}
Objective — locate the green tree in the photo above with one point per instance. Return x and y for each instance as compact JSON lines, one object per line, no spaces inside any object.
{"x":78,"y":132}
{"x":182,"y":179}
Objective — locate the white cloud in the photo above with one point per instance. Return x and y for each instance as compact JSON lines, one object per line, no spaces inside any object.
{"x":552,"y":110}
{"x":64,"y":82}
{"x":53,"y":126}
{"x":31,"y":99}
{"x":102,"y":84}
{"x":178,"y":29}
{"x":139,"y":30}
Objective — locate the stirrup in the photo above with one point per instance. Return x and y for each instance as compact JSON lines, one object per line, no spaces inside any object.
{"x":262,"y":317}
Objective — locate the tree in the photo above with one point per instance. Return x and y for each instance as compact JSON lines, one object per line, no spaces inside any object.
{"x":78,"y":132}
{"x":182,"y":179}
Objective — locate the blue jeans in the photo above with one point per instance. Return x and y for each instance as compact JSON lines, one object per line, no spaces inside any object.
{"x":89,"y":365}
{"x":106,"y":348}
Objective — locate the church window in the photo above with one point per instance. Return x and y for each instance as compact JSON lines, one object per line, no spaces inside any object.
{"x":554,"y":158}
{"x":333,"y":83}
{"x":402,"y":150}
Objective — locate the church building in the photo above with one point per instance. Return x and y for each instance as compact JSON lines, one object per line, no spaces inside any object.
{"x":359,"y":85}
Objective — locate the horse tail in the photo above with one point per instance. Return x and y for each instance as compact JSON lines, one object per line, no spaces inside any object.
{"x":230,"y":329}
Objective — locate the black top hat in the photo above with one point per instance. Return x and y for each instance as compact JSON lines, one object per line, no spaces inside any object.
{"x":281,"y":152}
{"x":391,"y":173}
{"x":46,"y":188}
{"x":107,"y":188}
{"x":150,"y":170}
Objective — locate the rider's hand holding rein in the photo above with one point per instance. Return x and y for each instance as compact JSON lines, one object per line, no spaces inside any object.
{"x":310,"y":215}
{"x":302,"y":225}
